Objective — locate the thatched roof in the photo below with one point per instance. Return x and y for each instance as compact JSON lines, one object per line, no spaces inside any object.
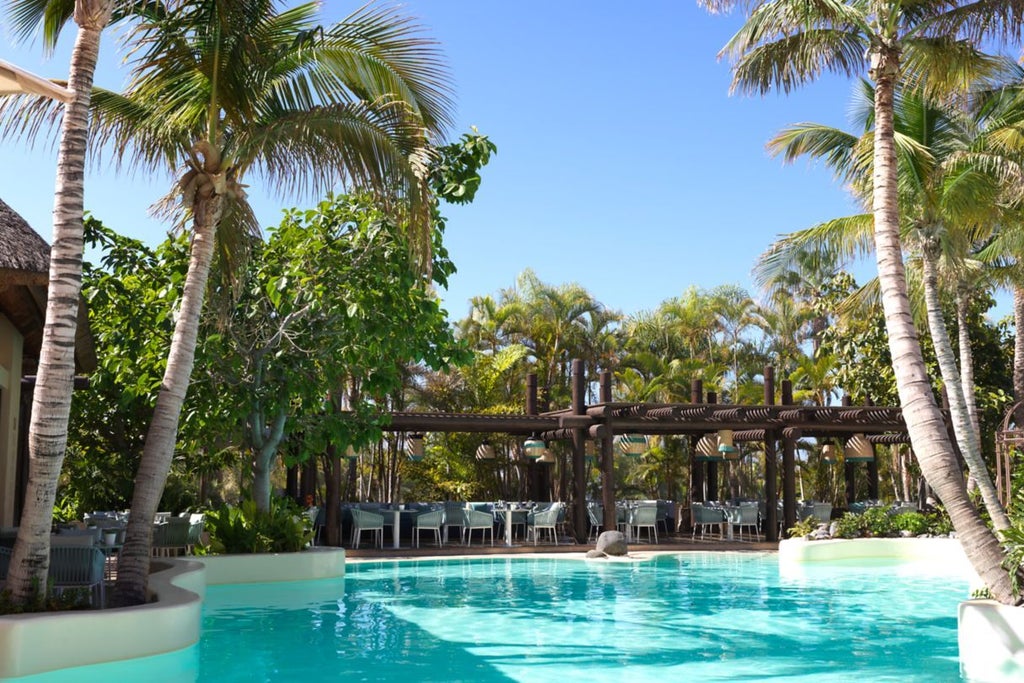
{"x":24,"y":276}
{"x":21,"y":247}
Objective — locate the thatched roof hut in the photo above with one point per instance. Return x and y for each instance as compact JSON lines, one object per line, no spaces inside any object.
{"x":24,"y":275}
{"x":23,"y":253}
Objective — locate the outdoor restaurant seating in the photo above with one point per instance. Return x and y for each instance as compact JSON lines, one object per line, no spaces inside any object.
{"x":428,"y":521}
{"x":477,"y":520}
{"x":364,"y":520}
{"x":704,"y":517}
{"x":453,"y":518}
{"x":643,"y":517}
{"x":545,"y":520}
{"x":71,"y":566}
{"x":595,"y":517}
{"x":743,"y":515}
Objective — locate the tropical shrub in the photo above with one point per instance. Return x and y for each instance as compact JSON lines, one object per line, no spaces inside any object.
{"x":804,"y":528}
{"x":849,"y":526}
{"x":877,"y":522}
{"x":245,"y":529}
{"x":914,"y":522}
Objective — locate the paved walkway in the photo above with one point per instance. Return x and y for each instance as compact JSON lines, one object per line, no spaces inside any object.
{"x":672,"y":544}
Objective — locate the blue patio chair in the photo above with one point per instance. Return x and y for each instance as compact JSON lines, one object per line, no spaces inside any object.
{"x":643,"y":517}
{"x":595,"y":517}
{"x":476,"y":520}
{"x":78,"y":567}
{"x":364,"y":520}
{"x":543,"y":520}
{"x":171,"y":538}
{"x":705,"y":517}
{"x":428,"y":521}
{"x":453,"y":518}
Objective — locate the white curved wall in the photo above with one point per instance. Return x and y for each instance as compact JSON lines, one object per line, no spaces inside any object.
{"x":36,"y":643}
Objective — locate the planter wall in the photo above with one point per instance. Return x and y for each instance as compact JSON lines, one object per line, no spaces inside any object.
{"x":37,"y":643}
{"x":991,"y":638}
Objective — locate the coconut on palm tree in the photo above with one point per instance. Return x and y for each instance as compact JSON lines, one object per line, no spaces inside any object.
{"x":929,"y":44}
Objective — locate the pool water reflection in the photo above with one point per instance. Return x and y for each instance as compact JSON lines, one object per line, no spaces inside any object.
{"x":700,"y":616}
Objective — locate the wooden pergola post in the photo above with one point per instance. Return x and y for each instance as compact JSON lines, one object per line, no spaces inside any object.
{"x":533,"y":473}
{"x":696,"y":492}
{"x":771,"y":467}
{"x":788,"y":464}
{"x":579,"y":467}
{"x":608,"y":461}
{"x":711,"y":488}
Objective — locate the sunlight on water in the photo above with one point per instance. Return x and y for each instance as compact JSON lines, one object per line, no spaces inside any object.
{"x":704,"y":617}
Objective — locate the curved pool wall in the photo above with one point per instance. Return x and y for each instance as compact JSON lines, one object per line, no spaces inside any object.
{"x":990,"y":634}
{"x":41,"y":642}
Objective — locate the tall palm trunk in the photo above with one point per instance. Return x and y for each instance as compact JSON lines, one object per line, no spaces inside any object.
{"x":924,"y":420}
{"x":51,"y":401}
{"x":1018,"y":352}
{"x":966,"y":359}
{"x":158,"y":452}
{"x":963,"y":427}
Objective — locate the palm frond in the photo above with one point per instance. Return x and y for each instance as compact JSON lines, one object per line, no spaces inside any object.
{"x":795,"y":59}
{"x":837,"y":240}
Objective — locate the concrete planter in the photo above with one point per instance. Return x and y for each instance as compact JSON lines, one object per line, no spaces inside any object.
{"x":316,"y":563}
{"x":40,"y":642}
{"x":991,"y":639}
{"x":37,"y":643}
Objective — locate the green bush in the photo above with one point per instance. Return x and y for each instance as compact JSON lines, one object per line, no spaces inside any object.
{"x":914,"y":522}
{"x":849,"y":526}
{"x":804,"y":528}
{"x":939,"y":522}
{"x":877,"y":522}
{"x":245,"y":529}
{"x":46,"y":601}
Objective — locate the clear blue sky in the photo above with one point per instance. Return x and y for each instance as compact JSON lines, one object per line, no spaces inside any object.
{"x":623,"y":163}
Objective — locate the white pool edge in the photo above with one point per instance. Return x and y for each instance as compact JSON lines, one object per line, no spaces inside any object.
{"x":42,"y":642}
{"x":990,"y":635}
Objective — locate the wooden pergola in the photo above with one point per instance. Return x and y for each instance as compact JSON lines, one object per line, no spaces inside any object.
{"x":776,"y":425}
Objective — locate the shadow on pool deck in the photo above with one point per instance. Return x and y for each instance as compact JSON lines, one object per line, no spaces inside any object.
{"x":674,"y":543}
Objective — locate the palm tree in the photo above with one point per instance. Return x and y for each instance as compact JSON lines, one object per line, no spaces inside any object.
{"x":787,"y":42}
{"x":944,"y":203}
{"x":228,"y":88}
{"x":51,"y":400}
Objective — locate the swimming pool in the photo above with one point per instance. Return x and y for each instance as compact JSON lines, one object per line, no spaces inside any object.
{"x":700,"y":616}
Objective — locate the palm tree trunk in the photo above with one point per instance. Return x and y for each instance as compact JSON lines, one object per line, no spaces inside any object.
{"x":966,"y":436}
{"x":924,"y":420}
{"x":1018,"y":352}
{"x":966,"y":360}
{"x":157,"y":454}
{"x":51,"y":400}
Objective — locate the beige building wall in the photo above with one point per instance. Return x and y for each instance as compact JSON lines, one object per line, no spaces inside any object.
{"x":10,"y":400}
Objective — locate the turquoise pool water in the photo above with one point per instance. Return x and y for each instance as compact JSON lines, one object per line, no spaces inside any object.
{"x":701,"y":617}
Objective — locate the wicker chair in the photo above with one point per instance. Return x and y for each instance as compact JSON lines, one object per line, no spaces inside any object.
{"x":429,"y":521}
{"x":364,"y":520}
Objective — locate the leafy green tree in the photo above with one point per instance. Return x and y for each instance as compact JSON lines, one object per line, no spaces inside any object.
{"x":333,"y":297}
